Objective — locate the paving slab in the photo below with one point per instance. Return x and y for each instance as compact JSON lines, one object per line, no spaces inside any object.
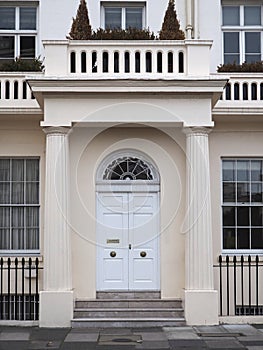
{"x":49,"y":334}
{"x":160,"y":345}
{"x":210,"y":329}
{"x":187,"y":344}
{"x":224,"y":344}
{"x":82,"y":337}
{"x":43,"y":344}
{"x":20,"y":345}
{"x":14,"y":336}
{"x":180,"y":333}
{"x":242,"y":328}
{"x":150,"y":336}
{"x":80,"y":346}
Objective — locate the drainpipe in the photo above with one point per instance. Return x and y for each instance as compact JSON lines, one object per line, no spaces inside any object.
{"x":196,"y":19}
{"x":189,"y":19}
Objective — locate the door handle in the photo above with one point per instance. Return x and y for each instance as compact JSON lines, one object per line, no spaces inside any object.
{"x":113,"y":254}
{"x":130,"y":246}
{"x":143,"y":254}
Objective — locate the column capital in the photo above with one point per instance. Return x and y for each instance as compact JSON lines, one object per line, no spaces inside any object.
{"x":56,"y":130}
{"x":197,"y":131}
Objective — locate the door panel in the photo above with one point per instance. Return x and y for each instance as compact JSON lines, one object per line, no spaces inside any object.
{"x":127,"y":219}
{"x":143,"y":231}
{"x":112,"y":218}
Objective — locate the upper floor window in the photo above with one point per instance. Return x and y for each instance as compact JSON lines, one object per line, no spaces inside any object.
{"x":242,"y":209}
{"x":123,"y":16}
{"x":242,"y":33}
{"x":18,"y":30}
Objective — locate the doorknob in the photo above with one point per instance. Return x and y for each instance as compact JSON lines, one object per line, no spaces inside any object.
{"x":113,"y":254}
{"x":143,"y":254}
{"x":130,"y":246}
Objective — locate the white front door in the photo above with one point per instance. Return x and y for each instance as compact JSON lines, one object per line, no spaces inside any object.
{"x":127,"y":240}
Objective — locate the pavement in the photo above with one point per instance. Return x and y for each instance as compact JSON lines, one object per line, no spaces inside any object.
{"x":231,"y":337}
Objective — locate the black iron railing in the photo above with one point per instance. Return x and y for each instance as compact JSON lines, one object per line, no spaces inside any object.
{"x":240,"y":285}
{"x":19,"y":289}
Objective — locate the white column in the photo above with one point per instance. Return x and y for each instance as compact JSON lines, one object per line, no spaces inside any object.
{"x":56,"y":300}
{"x":201,"y":300}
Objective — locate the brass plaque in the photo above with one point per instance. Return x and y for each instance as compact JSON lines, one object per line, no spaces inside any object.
{"x":111,"y":241}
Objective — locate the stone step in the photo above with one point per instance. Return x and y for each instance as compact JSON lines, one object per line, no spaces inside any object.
{"x":128,"y":295}
{"x":129,"y":323}
{"x":128,"y":313}
{"x":128,"y":303}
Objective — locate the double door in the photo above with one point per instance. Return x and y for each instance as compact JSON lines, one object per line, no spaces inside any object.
{"x":127,"y":241}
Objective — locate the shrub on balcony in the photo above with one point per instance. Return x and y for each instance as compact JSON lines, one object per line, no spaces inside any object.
{"x":81,"y":29}
{"x":171,"y":26}
{"x":244,"y":67}
{"x":121,"y":34}
{"x":22,"y":65}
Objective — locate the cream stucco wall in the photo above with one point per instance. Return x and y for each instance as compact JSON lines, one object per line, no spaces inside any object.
{"x":88,"y":147}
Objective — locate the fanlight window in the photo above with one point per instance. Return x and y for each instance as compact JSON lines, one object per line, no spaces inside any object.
{"x":128,"y":168}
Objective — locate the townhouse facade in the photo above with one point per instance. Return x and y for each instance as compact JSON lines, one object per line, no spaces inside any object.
{"x":131,"y":168}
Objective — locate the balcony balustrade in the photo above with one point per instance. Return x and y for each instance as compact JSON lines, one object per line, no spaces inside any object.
{"x":15,"y":92}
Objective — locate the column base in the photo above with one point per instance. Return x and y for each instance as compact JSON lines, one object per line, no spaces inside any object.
{"x":201,"y":307}
{"x":55,"y":309}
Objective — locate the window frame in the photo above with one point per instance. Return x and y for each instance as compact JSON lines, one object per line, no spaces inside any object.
{"x":23,"y":252}
{"x":17,"y":33}
{"x":123,"y":6}
{"x":241,"y":29}
{"x":238,"y":251}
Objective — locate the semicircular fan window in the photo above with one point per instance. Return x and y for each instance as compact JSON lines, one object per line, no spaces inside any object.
{"x":128,"y":168}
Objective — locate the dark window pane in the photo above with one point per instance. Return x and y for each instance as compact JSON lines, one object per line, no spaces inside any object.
{"x":27,"y":46}
{"x":18,"y":238}
{"x":242,"y":170}
{"x":4,"y":238}
{"x":231,"y":47}
{"x":231,"y":58}
{"x":32,"y":170}
{"x":134,"y":17}
{"x":229,"y":240}
{"x":231,"y":42}
{"x":252,"y":43}
{"x":7,"y":18}
{"x":256,"y":216}
{"x":229,"y":192}
{"x":113,"y":17}
{"x":17,"y":193}
{"x":243,"y":238}
{"x":256,"y":170}
{"x":252,"y":58}
{"x":32,"y":194}
{"x":17,"y":170}
{"x":256,"y":193}
{"x":231,"y":15}
{"x":32,"y":239}
{"x":229,"y":216}
{"x":243,"y":216}
{"x":5,"y":193}
{"x":257,"y":238}
{"x":243,"y":192}
{"x":28,"y":18}
{"x":229,"y":170}
{"x":252,"y":15}
{"x":7,"y":46}
{"x":4,"y":169}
